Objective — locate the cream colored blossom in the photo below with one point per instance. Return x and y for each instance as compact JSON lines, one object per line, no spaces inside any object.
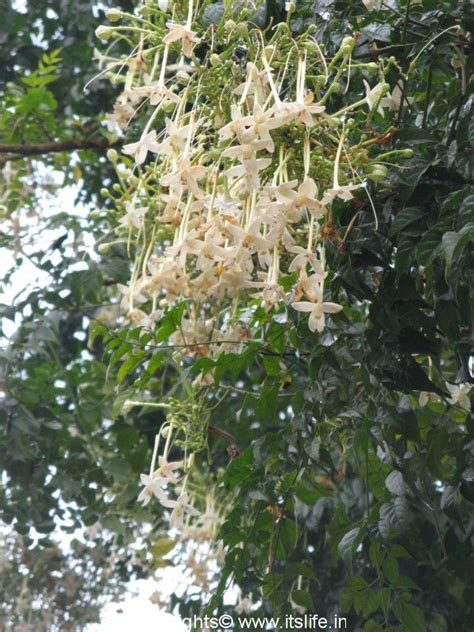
{"x":179,"y":32}
{"x":459,"y":395}
{"x":141,"y":148}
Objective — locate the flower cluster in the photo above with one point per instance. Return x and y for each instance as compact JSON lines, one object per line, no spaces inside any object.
{"x":235,"y":191}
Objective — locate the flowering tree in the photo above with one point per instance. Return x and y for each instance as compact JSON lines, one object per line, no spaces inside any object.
{"x":277,"y":311}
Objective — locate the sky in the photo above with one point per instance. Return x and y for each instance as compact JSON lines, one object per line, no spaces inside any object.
{"x":137,"y":612}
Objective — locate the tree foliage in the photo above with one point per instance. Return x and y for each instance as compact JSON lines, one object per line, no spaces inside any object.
{"x":339,"y":462}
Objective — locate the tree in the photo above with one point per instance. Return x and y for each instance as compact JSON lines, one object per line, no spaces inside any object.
{"x":328,"y":458}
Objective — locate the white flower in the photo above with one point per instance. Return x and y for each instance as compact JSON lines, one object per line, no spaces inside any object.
{"x":163,"y":5}
{"x":153,"y":486}
{"x":459,"y":395}
{"x":426,"y":397}
{"x":302,"y":111}
{"x":141,"y":148}
{"x":158,"y":92}
{"x":244,"y":605}
{"x":316,"y":309}
{"x":166,"y":470}
{"x":133,"y":217}
{"x":180,"y":32}
{"x":176,"y":138}
{"x":342,"y":192}
{"x":370,"y":4}
{"x":303,"y":258}
{"x":180,"y":507}
{"x":185,"y":175}
{"x":392,"y":102}
{"x":303,"y":197}
{"x":297,"y":608}
{"x":373,"y":96}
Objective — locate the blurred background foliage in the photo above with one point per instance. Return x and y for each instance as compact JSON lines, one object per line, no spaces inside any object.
{"x":350,"y":475}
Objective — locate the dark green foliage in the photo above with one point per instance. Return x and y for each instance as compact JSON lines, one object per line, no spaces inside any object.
{"x":344,"y":479}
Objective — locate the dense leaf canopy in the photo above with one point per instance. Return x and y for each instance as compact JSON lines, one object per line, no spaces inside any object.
{"x":340,"y":461}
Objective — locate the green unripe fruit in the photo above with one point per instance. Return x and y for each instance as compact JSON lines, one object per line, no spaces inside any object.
{"x":105,"y":192}
{"x":215,"y":59}
{"x":371,"y":66}
{"x":116,"y":187}
{"x":408,"y":153}
{"x":229,"y":25}
{"x":104,"y":249}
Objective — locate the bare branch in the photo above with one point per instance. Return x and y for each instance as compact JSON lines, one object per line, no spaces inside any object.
{"x":34,"y":149}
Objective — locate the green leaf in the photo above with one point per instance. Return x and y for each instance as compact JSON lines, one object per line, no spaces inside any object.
{"x":271,"y":365}
{"x":300,"y":568}
{"x":429,"y":246}
{"x":412,"y":617}
{"x":348,"y":543}
{"x":162,"y":547}
{"x":390,"y":569}
{"x":129,"y":365}
{"x":303,"y":598}
{"x":312,"y":448}
{"x":448,"y":497}
{"x":453,"y":243}
{"x":395,"y":483}
{"x":404,"y":218}
{"x":271,"y":582}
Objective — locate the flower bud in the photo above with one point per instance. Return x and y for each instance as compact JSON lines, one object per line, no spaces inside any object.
{"x":378,"y":173}
{"x":242,"y":30}
{"x":105,"y":192}
{"x":215,"y":59}
{"x":104,"y":249}
{"x":290,"y":7}
{"x":104,"y":32}
{"x":348,"y":41}
{"x":268,"y":51}
{"x":182,"y":76}
{"x":113,"y":15}
{"x":112,"y":155}
{"x":229,"y":25}
{"x":408,"y":153}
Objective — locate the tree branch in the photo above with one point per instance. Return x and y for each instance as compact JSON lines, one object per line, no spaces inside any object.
{"x":33,"y":149}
